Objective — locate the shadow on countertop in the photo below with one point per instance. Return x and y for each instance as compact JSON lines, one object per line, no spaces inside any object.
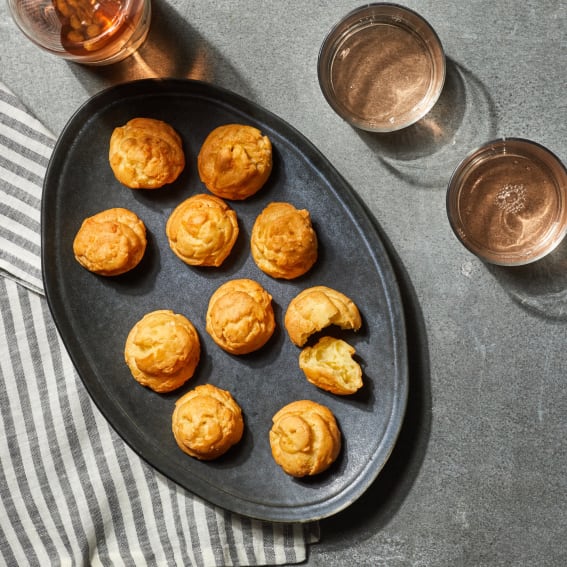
{"x":375,"y":508}
{"x":426,"y":153}
{"x":173,"y":49}
{"x":540,"y":287}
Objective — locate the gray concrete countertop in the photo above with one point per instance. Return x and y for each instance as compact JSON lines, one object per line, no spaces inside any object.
{"x":479,"y":474}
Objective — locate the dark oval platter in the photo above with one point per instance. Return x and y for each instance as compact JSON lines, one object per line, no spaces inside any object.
{"x":94,"y":314}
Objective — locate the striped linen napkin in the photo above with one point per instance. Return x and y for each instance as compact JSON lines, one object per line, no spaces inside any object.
{"x":71,"y":491}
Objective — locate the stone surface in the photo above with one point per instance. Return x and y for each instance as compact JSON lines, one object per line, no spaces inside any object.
{"x":478,"y":475}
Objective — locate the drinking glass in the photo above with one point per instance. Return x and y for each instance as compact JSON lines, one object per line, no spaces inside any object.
{"x":382,"y":67}
{"x":93,"y":32}
{"x":507,"y":201}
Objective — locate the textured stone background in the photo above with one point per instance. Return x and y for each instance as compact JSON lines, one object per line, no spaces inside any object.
{"x":478,"y":476}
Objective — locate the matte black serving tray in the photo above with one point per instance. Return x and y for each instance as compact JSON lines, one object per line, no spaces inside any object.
{"x":94,"y":314}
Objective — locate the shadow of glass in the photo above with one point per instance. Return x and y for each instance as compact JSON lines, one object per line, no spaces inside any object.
{"x":426,"y":153}
{"x":374,"y":509}
{"x":173,"y":49}
{"x":541,"y":287}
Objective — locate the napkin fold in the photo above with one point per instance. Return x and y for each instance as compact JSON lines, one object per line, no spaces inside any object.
{"x":71,"y":491}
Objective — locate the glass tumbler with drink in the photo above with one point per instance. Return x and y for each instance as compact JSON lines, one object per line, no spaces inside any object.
{"x":93,"y":32}
{"x":382,"y":67}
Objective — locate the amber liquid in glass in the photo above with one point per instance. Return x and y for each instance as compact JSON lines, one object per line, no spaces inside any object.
{"x":89,"y":26}
{"x":383,"y":74}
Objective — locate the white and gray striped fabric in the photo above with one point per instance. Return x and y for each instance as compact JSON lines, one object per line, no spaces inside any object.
{"x":71,"y":491}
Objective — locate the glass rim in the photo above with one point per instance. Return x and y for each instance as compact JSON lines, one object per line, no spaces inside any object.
{"x":334,"y":37}
{"x":94,"y":58}
{"x":555,"y":168}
